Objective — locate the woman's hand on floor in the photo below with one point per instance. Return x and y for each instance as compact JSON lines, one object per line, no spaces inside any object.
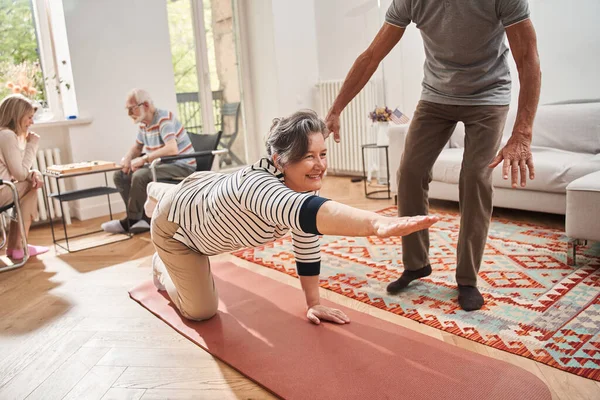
{"x":402,"y":226}
{"x":320,"y":312}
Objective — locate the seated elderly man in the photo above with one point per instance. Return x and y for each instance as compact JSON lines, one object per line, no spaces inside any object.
{"x":161,"y":134}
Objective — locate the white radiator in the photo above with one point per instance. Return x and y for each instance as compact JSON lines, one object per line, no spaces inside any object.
{"x":345,"y":158}
{"x":47,"y":157}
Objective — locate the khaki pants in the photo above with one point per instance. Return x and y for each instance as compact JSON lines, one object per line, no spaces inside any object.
{"x":28,"y":204}
{"x":429,"y":132}
{"x":189,"y":282}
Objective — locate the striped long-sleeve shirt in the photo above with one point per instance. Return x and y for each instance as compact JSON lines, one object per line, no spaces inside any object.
{"x":217,"y":213}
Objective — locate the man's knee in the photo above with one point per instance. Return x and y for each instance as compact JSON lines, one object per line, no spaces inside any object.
{"x":409,"y":174}
{"x":479,"y":176}
{"x":120,"y":178}
{"x":141,"y":178}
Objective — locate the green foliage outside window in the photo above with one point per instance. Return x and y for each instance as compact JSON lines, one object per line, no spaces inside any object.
{"x":183,"y":46}
{"x":19,"y":57}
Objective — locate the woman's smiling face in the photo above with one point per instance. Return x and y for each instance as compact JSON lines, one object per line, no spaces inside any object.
{"x":306,"y":174}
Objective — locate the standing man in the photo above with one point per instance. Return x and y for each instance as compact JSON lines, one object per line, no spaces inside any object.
{"x":161,"y":134}
{"x":466,"y":78}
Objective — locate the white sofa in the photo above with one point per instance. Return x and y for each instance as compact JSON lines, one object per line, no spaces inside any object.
{"x":582,"y":222}
{"x":565,"y":147}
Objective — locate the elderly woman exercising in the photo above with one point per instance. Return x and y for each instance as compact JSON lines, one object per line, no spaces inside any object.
{"x":210,"y":213}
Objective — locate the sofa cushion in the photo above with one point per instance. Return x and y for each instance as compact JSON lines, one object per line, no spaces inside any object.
{"x":447,"y":167}
{"x":554,"y":169}
{"x":457,"y":140}
{"x":583,"y":207}
{"x":570,"y":127}
{"x":587,"y":183}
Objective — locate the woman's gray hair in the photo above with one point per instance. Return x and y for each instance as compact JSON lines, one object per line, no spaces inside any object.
{"x":288,"y":136}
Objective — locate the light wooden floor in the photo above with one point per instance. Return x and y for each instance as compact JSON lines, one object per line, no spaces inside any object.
{"x":69,"y":330}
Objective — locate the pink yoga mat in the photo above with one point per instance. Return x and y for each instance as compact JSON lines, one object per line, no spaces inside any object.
{"x":261,"y":331}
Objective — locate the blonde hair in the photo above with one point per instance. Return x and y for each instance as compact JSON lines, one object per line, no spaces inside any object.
{"x":12,"y":110}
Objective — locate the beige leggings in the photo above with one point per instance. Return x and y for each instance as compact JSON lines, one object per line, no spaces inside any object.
{"x":28,"y":204}
{"x":189,"y":281}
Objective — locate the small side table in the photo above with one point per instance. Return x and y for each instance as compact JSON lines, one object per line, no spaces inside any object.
{"x":78,"y":195}
{"x":374,"y":193}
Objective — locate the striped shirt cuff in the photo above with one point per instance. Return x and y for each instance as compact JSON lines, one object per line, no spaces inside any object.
{"x":308,"y":214}
{"x":308,"y":269}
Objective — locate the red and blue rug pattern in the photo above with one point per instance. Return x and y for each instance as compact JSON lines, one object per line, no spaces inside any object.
{"x":537,"y":306}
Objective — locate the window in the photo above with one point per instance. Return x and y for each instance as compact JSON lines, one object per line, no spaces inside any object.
{"x":183,"y":49}
{"x":20,"y":69}
{"x":205,"y":63}
{"x":34,"y":55}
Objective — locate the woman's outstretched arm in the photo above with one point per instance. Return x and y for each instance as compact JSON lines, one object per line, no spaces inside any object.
{"x":341,"y":220}
{"x":338,"y":219}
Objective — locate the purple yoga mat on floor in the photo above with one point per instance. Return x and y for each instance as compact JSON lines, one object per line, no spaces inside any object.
{"x":261,"y":331}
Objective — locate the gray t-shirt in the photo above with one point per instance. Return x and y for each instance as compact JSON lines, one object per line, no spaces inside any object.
{"x":466,"y":58}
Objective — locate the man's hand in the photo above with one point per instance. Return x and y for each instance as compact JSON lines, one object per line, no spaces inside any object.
{"x":393,"y":226}
{"x":126,"y":164}
{"x":137,"y":163}
{"x":517,"y":159}
{"x":332,"y":122}
{"x":319,"y":312}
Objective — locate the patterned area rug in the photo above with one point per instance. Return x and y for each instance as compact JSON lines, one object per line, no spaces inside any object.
{"x":536,"y":305}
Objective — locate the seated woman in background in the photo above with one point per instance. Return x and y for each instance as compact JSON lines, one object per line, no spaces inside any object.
{"x":211,"y":213}
{"x":18,"y":148}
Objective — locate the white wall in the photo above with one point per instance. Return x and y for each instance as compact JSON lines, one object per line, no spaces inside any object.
{"x":567,"y":39}
{"x":261,"y":89}
{"x":344,"y":30}
{"x":569,"y":46}
{"x":281,"y":41}
{"x":115,"y":45}
{"x":295,"y":54}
